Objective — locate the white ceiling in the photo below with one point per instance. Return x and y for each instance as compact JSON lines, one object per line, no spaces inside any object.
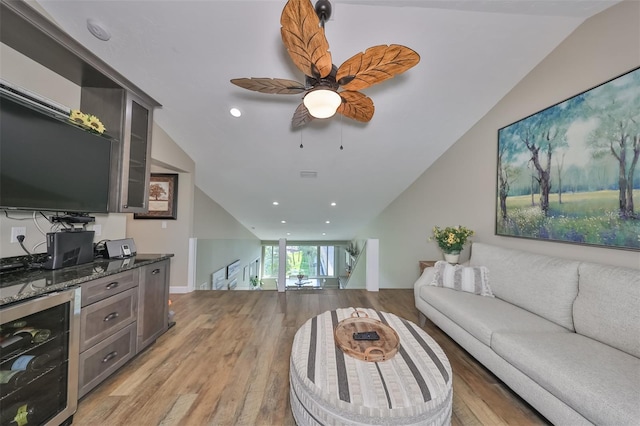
{"x":183,"y":53}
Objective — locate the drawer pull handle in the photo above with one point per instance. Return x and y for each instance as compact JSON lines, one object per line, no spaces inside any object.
{"x":110,"y":356}
{"x":112,"y":285}
{"x":155,"y":272}
{"x":112,"y":315}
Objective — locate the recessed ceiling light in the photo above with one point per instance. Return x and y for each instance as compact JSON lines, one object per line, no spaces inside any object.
{"x":333,"y":204}
{"x":328,"y":221}
{"x":98,"y":30}
{"x":283,"y":221}
{"x":275,"y":203}
{"x":324,"y":233}
{"x":288,"y":233}
{"x":235,"y":112}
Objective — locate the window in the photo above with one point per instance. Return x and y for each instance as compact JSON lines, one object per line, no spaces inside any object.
{"x":312,"y":261}
{"x":327,"y":260}
{"x":270,"y":256}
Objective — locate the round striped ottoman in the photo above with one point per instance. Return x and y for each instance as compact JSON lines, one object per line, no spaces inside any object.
{"x":329,"y":387}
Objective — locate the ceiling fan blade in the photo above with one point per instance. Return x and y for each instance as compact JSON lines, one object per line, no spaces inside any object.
{"x":304,"y":38}
{"x":301,"y":116}
{"x":376,"y":64}
{"x":278,"y":86}
{"x":356,"y":105}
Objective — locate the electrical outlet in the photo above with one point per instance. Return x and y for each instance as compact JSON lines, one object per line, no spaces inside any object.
{"x":98,"y":230}
{"x":17,"y":230}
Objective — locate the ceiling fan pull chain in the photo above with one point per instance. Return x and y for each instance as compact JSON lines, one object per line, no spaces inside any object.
{"x":301,"y":146}
{"x":341,"y":127}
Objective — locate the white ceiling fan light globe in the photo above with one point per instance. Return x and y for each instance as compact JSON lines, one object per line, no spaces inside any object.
{"x":322,"y":103}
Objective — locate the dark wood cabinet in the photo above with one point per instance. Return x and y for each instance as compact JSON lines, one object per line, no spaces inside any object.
{"x":129,"y":119}
{"x":105,"y":358}
{"x":107,"y":321}
{"x":121,"y":315}
{"x":153,"y":298}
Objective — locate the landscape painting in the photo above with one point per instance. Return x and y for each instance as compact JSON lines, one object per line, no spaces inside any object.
{"x":570,"y":173}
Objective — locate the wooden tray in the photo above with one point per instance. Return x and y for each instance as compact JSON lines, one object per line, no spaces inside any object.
{"x":366,"y":350}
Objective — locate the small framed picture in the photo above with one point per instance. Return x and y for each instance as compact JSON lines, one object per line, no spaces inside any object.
{"x":163,"y":197}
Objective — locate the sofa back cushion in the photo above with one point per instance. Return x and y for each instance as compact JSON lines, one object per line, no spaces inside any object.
{"x":607,"y":308}
{"x":544,"y":285}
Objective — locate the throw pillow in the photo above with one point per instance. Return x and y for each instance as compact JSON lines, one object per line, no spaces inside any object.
{"x":472,"y":279}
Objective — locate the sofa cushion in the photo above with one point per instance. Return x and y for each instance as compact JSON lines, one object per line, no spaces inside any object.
{"x":598,"y":381}
{"x":482,"y":316}
{"x":544,"y":285}
{"x":608,"y":306}
{"x":472,"y":279}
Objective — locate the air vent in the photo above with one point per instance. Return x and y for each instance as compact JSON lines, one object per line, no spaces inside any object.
{"x":306,"y":174}
{"x":32,"y":99}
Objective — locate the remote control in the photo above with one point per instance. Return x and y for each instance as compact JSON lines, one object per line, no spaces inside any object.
{"x":366,"y":335}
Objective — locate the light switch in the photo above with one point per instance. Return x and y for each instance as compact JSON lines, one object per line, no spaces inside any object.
{"x":164,"y":224}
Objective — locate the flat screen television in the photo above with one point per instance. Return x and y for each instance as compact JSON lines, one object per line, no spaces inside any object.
{"x":47,"y":163}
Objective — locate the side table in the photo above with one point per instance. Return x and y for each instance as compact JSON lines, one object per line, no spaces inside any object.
{"x":426,"y":264}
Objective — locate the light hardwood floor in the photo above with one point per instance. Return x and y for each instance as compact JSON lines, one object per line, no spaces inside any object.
{"x":226,"y":362}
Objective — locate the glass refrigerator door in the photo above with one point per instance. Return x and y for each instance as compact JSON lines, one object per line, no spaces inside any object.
{"x":35,"y":355}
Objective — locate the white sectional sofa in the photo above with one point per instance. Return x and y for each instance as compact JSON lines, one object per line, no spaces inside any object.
{"x":563,"y":334}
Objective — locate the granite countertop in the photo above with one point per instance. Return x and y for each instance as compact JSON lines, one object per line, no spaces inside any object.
{"x":25,"y":284}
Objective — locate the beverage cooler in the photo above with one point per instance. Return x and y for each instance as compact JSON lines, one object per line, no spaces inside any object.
{"x":39,"y":360}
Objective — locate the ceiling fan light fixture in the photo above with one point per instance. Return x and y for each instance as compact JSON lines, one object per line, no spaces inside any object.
{"x":322,"y":103}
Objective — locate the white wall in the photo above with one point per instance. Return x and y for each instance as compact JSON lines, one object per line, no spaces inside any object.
{"x":460,"y":187}
{"x":212,"y":221}
{"x":221,"y":239}
{"x":169,"y":236}
{"x":24,"y":72}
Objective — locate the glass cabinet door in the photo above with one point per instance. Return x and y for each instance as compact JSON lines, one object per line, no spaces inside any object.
{"x":137,"y":149}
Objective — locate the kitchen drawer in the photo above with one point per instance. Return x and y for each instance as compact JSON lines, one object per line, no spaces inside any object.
{"x":96,"y":290}
{"x":98,"y":362}
{"x":103,"y":318}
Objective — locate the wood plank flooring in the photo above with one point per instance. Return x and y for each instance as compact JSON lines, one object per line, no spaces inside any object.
{"x":226,"y":362}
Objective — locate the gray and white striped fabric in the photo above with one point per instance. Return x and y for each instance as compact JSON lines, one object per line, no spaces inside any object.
{"x":329,"y":387}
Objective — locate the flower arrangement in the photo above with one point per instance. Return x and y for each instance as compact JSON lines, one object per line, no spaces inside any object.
{"x":352,"y":249}
{"x":452,"y":238}
{"x":89,"y":121}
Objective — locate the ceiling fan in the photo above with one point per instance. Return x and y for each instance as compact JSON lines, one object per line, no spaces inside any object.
{"x":303,"y":36}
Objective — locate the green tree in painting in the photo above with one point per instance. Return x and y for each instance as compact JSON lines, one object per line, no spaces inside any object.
{"x":618,"y":135}
{"x":507,"y":173}
{"x":542,"y":134}
{"x":156,"y":191}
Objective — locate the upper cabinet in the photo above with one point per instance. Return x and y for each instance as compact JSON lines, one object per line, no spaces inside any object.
{"x":124,"y":109}
{"x":128,"y":118}
{"x":137,"y":150}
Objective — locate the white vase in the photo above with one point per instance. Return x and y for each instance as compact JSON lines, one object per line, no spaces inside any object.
{"x":452,"y":257}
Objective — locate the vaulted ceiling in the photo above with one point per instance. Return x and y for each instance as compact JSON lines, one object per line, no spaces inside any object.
{"x":183,"y":53}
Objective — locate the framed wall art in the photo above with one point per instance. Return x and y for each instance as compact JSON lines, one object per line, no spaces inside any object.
{"x":218,"y":279}
{"x":233,"y":268}
{"x":570,"y":172}
{"x":163,"y":197}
